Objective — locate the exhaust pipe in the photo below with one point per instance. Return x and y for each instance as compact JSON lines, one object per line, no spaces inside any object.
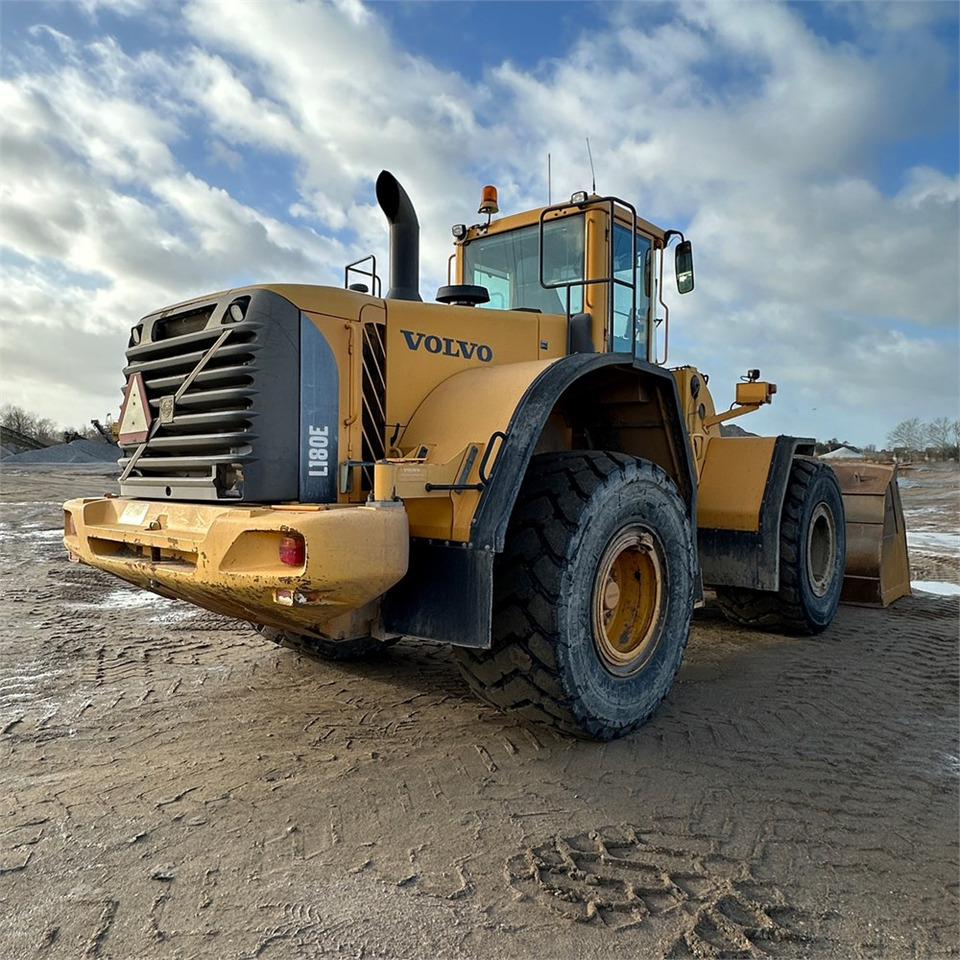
{"x":404,"y":238}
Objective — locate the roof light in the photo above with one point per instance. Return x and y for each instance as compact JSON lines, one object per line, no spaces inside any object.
{"x":488,"y":200}
{"x":293,"y":551}
{"x":459,"y":231}
{"x":237,"y":310}
{"x":579,"y":197}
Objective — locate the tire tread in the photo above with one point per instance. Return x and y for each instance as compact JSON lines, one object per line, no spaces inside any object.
{"x":781,"y":610}
{"x":520,"y":673}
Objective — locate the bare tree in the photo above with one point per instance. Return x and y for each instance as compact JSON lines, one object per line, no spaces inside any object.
{"x":16,"y":418}
{"x":908,"y":436}
{"x":46,"y":431}
{"x":29,"y":424}
{"x":941,"y":435}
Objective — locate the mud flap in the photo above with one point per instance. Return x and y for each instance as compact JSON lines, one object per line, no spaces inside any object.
{"x":877,"y":570}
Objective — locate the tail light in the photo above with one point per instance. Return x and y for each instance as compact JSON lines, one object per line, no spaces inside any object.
{"x":293,"y":550}
{"x":69,"y":527}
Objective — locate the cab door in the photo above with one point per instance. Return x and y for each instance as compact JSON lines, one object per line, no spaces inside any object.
{"x":631,"y":327}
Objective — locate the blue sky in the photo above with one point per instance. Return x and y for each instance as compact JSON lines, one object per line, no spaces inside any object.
{"x":157,"y":151}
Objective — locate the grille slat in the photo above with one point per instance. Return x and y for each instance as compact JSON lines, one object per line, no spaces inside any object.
{"x":202,"y":422}
{"x":232,"y":374}
{"x":228,"y":398}
{"x":199,"y":465}
{"x":212,"y":441}
{"x":188,"y":360}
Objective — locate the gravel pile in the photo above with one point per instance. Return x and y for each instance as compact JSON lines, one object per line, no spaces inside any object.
{"x":77,"y":451}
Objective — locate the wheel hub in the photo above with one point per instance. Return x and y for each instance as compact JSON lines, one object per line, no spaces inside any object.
{"x":821,"y":549}
{"x":627,"y":595}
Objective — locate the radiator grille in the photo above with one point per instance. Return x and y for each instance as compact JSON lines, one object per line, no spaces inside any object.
{"x":373,"y":392}
{"x":206,"y":436}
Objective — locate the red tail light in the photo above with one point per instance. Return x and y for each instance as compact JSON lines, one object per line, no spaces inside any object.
{"x":293,"y":551}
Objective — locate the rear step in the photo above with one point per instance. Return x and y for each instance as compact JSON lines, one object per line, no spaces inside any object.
{"x":877,"y":570}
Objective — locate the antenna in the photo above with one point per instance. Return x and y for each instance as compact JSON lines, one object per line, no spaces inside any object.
{"x":593,"y":188}
{"x":549,"y":183}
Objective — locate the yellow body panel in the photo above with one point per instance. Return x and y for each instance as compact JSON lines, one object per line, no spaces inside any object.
{"x":332,"y":301}
{"x":596,"y":295}
{"x":225,"y":558}
{"x":463,"y":411}
{"x":695,"y":410}
{"x":733,"y":482}
{"x":428,"y":343}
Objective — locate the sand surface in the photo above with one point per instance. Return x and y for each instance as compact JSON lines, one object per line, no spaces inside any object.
{"x":174,"y":786}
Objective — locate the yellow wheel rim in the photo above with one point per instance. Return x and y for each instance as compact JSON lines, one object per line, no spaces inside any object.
{"x":821,"y":550}
{"x":627,"y":594}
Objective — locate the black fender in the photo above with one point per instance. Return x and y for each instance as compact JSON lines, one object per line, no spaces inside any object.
{"x":595,"y":389}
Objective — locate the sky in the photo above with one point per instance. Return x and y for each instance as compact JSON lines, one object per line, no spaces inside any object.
{"x":154,"y":151}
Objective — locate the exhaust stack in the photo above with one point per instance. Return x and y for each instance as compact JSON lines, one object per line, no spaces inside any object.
{"x":404,"y":238}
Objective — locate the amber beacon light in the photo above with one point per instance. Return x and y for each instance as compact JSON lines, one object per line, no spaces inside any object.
{"x":488,"y":200}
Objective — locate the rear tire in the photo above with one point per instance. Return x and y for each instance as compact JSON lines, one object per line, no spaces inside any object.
{"x":593,"y":596}
{"x":812,"y":558}
{"x":359,"y":648}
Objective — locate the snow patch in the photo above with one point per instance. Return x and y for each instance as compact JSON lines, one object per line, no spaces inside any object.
{"x":174,"y":616}
{"x":939,"y":587}
{"x":125,"y":600}
{"x":927,"y":541}
{"x":48,"y":535}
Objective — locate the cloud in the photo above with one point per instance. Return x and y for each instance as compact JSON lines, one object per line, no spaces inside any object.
{"x":137,"y":173}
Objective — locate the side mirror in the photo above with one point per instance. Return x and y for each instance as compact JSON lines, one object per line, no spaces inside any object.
{"x":684,"y":266}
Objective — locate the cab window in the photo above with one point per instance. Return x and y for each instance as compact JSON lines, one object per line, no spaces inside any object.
{"x":508,"y":265}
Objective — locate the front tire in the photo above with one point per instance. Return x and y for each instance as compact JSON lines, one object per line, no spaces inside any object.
{"x":812,"y":559}
{"x":593,"y":596}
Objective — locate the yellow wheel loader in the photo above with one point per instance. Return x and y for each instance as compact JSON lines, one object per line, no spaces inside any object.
{"x":511,"y":470}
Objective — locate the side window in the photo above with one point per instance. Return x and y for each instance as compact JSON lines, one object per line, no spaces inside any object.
{"x":623,"y":327}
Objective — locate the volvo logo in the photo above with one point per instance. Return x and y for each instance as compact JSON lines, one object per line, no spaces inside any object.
{"x":448,"y":346}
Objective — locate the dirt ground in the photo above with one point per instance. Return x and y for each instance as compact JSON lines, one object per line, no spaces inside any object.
{"x":174,"y":786}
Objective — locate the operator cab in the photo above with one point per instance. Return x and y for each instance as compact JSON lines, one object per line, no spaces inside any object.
{"x":561,"y":260}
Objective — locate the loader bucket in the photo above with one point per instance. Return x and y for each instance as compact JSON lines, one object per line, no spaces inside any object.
{"x":877,"y":570}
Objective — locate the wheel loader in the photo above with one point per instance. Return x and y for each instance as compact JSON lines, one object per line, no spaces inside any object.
{"x":512,"y":469}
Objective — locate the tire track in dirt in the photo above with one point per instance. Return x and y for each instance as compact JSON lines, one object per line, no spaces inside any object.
{"x":233,"y":799}
{"x":701,"y":902}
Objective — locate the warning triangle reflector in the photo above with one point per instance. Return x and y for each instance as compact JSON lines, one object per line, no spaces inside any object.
{"x":135,"y":413}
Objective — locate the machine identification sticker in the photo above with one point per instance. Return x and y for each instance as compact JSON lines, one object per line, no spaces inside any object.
{"x":319,"y":416}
